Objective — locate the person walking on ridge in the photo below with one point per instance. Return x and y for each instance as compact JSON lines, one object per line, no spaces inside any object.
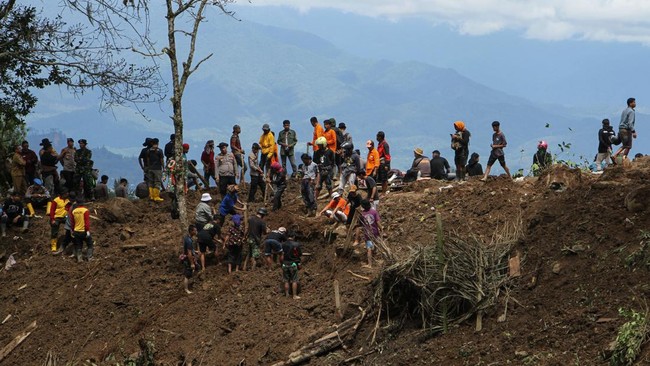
{"x":498,"y":143}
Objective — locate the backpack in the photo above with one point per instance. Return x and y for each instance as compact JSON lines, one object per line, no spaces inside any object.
{"x":616,"y":140}
{"x":340,"y":138}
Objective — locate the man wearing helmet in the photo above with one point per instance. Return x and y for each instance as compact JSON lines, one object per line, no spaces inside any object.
{"x":325,"y":160}
{"x":542,"y":159}
{"x":338,"y":208}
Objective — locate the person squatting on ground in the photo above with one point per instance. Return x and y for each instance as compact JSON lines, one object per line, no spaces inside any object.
{"x":207,"y":159}
{"x":225,"y":164}
{"x":257,"y":174}
{"x":58,"y":215}
{"x":420,"y":167}
{"x":36,"y":196}
{"x":325,"y":160}
{"x":256,"y":229}
{"x":337,"y":209}
{"x":206,"y":239}
{"x":626,"y":129}
{"x":291,"y":265}
{"x":542,"y":159}
{"x":13,"y":213}
{"x":203,"y":213}
{"x":189,"y":258}
{"x":287,"y":140}
{"x":474,"y":168}
{"x":605,"y":135}
{"x":460,"y":145}
{"x":273,"y":247}
{"x":279,"y":183}
{"x":234,"y":243}
{"x":80,"y":222}
{"x":498,"y":143}
{"x":229,"y":204}
{"x":310,"y":176}
{"x":84,"y":171}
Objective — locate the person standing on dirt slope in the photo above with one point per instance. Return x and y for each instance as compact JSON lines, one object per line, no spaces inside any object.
{"x":279,"y":183}
{"x":189,"y":258}
{"x":143,"y":160}
{"x":84,"y":170}
{"x":372,"y":161}
{"x":13,"y":213}
{"x":371,"y":229}
{"x":226,"y":168}
{"x":354,"y":200}
{"x":474,"y":168}
{"x":18,"y":171}
{"x":318,"y":133}
{"x":155,"y":163}
{"x":31,"y":162}
{"x":330,"y":135}
{"x":287,"y":140}
{"x":325,"y":160}
{"x":169,"y":148}
{"x":605,"y":135}
{"x":256,"y":229}
{"x":498,"y":143}
{"x":542,"y":159}
{"x":69,"y":166}
{"x":384,"y":161}
{"x":203,"y":212}
{"x":58,"y":213}
{"x":337,"y":209}
{"x":207,"y":159}
{"x":206,"y":239}
{"x":80,"y":222}
{"x":460,"y":145}
{"x":439,"y":166}
{"x":49,"y":159}
{"x":626,"y":130}
{"x":257,"y":174}
{"x":234,"y":242}
{"x":349,"y":168}
{"x":122,"y":189}
{"x":267,"y":143}
{"x":229,"y":204}
{"x":291,"y":265}
{"x":310,"y":176}
{"x":273,"y":246}
{"x":238,"y":151}
{"x":67,"y":226}
{"x":370,"y":186}
{"x":101,"y":189}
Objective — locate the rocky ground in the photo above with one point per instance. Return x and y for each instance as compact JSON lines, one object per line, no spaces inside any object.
{"x":580,"y":249}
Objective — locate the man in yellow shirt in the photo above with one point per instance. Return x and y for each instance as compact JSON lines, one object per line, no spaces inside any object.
{"x":318,"y":132}
{"x":80,"y":223}
{"x":372,"y":162}
{"x":58,"y":213}
{"x":267,"y":143}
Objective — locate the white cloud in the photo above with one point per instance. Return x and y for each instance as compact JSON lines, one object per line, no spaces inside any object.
{"x":598,"y":20}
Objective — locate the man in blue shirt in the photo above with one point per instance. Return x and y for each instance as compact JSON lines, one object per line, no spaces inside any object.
{"x":626,"y":131}
{"x":189,"y":258}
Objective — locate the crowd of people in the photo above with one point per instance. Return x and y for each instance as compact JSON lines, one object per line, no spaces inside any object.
{"x":335,"y":170}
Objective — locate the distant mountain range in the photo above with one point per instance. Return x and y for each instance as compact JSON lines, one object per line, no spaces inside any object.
{"x":261,"y":74}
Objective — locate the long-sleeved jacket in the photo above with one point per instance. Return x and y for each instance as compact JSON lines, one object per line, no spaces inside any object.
{"x":267,"y":143}
{"x":289,"y":138}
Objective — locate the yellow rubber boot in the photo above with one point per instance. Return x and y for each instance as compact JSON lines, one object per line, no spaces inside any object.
{"x":30,"y":208}
{"x":151,"y":194}
{"x":53,"y":244}
{"x":156,"y":195}
{"x":47,"y":209}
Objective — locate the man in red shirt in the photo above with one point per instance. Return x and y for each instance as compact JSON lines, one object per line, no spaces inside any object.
{"x":207,"y":158}
{"x":384,"y":161}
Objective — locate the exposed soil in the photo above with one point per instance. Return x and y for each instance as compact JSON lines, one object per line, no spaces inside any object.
{"x":99,"y":310}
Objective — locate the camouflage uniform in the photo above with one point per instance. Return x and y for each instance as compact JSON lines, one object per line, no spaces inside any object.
{"x":84,"y":170}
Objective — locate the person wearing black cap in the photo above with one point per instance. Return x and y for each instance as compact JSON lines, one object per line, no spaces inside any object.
{"x":225,"y":165}
{"x":49,"y":159}
{"x":67,"y":159}
{"x":143,"y":161}
{"x":267,"y":143}
{"x":169,"y":147}
{"x":287,"y":140}
{"x":155,"y":163}
{"x":256,"y":230}
{"x":84,"y":170}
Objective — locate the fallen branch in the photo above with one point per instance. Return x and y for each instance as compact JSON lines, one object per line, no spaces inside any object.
{"x":18,"y":340}
{"x":359,"y":276}
{"x":133,"y":246}
{"x":357,"y":357}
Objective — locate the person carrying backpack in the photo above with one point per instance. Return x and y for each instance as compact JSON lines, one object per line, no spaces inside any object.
{"x":605,"y":135}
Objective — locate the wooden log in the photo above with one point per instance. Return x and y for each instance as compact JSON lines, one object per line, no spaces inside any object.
{"x":133,"y":246}
{"x":359,"y":276}
{"x":17,"y":341}
{"x":337,"y":300}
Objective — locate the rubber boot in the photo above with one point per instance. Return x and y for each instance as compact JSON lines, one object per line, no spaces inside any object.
{"x":47,"y":208}
{"x":53,"y":245}
{"x":89,"y":253}
{"x":30,"y":208}
{"x":25,"y":226}
{"x":77,"y":253}
{"x":3,"y":229}
{"x":151,"y":194}
{"x":156,"y":195}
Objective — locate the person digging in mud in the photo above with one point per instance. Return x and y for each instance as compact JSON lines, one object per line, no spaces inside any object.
{"x":80,"y":223}
{"x":189,"y":258}
{"x":337,"y":209}
{"x":310,"y":176}
{"x":371,"y":229}
{"x":256,"y":229}
{"x":206,"y":239}
{"x":229,"y":204}
{"x":13,"y":213}
{"x":279,"y":182}
{"x":234,"y":242}
{"x":203,"y":212}
{"x":354,"y":200}
{"x":273,"y":246}
{"x":498,"y":143}
{"x":291,"y":265}
{"x":58,"y":215}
